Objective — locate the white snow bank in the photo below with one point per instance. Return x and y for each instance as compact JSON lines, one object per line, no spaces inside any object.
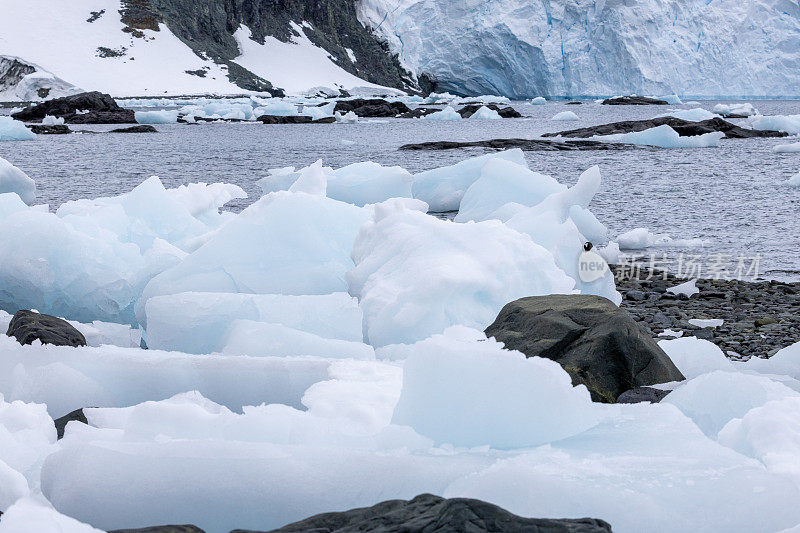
{"x":14,"y":130}
{"x":793,"y":148}
{"x":36,"y":514}
{"x":198,"y":322}
{"x":641,"y":238}
{"x":695,"y":115}
{"x":788,"y":123}
{"x":688,"y":288}
{"x":565,"y":116}
{"x":664,"y":137}
{"x":156,"y":117}
{"x":694,"y":356}
{"x":448,"y":113}
{"x":745,"y":109}
{"x":484,"y":113}
{"x":52,"y":121}
{"x":706,"y":322}
{"x":443,"y":188}
{"x":416,"y":275}
{"x":462,"y":389}
{"x":14,"y":180}
{"x":348,"y":118}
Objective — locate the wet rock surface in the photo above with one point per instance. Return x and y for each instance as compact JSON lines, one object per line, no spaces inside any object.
{"x":372,"y":107}
{"x":530,"y":145}
{"x":505,"y":112}
{"x":294,"y":119}
{"x":84,"y":108}
{"x":634,"y":100}
{"x":642,"y":394}
{"x":759,"y":318}
{"x":58,"y":129}
{"x":434,"y":514}
{"x":141,"y":128}
{"x":685,"y":128}
{"x":28,"y":326}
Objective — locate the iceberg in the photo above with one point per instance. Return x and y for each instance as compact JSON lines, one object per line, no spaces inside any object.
{"x":448,"y":113}
{"x":793,"y":148}
{"x":565,"y":116}
{"x":741,"y":110}
{"x":664,"y":137}
{"x":787,"y":123}
{"x":14,"y":130}
{"x":697,"y":114}
{"x":13,"y":180}
{"x":484,"y":113}
{"x":156,"y":117}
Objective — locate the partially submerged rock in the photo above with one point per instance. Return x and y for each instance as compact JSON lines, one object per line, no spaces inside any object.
{"x":685,"y":128}
{"x":58,"y":129}
{"x":186,"y":528}
{"x":634,"y":100}
{"x":294,"y":119}
{"x":642,"y":394}
{"x":28,"y":326}
{"x":530,"y":145}
{"x":432,"y":513}
{"x":373,"y":107}
{"x":505,"y":112}
{"x":596,"y":342}
{"x":141,"y":128}
{"x":84,"y":108}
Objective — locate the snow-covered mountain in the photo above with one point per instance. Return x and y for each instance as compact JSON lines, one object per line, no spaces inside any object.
{"x":172,"y":47}
{"x":524,"y":48}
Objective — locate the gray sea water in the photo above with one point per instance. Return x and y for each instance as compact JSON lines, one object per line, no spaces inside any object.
{"x":732,"y":196}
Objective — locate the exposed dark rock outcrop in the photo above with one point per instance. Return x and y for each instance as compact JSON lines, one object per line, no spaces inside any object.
{"x":505,"y":112}
{"x":419,"y":112}
{"x":634,"y":100}
{"x":642,"y":394}
{"x":58,"y":129}
{"x":207,"y":27}
{"x":433,"y":514}
{"x":186,"y":528}
{"x":141,"y":128}
{"x":100,"y":109}
{"x":12,"y":70}
{"x":28,"y":326}
{"x":530,"y":145}
{"x":373,"y":107}
{"x":294,"y":119}
{"x":75,"y":416}
{"x":685,"y":128}
{"x":596,"y":342}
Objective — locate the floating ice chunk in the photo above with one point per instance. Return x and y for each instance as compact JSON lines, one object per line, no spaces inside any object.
{"x":157,"y":117}
{"x":695,"y":115}
{"x":470,"y":272}
{"x":443,"y":188}
{"x":672,"y":99}
{"x":261,"y":339}
{"x":694,"y":356}
{"x":484,"y":112}
{"x":369,"y":183}
{"x":348,"y":118}
{"x":688,"y":288}
{"x":539,"y":100}
{"x":610,"y":252}
{"x":319,"y":112}
{"x":197,"y":322}
{"x":277,"y":107}
{"x":671,"y":333}
{"x":36,"y":514}
{"x":641,"y":238}
{"x":471,"y":392}
{"x":744,"y":110}
{"x":664,"y":137}
{"x":501,"y":182}
{"x":706,"y":323}
{"x":279,"y":179}
{"x":787,"y":148}
{"x":203,"y":201}
{"x":565,"y":116}
{"x":285,"y":243}
{"x":14,"y":180}
{"x":311,"y":180}
{"x":14,"y":130}
{"x":448,"y":113}
{"x":49,"y":120}
{"x":794,"y":181}
{"x":714,"y":399}
{"x":788,"y":123}
{"x":26,"y":436}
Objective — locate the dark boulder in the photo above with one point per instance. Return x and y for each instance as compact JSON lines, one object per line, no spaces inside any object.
{"x":75,"y":416}
{"x":433,"y":514}
{"x":374,"y":107}
{"x":529,"y":145}
{"x":27,"y":326}
{"x":58,"y":129}
{"x":141,"y":128}
{"x":634,"y":100}
{"x":102,"y":109}
{"x":685,"y":128}
{"x":595,"y":341}
{"x":642,"y":394}
{"x":418,"y":112}
{"x":294,"y":119}
{"x":574,"y":102}
{"x":186,"y":528}
{"x":505,"y":112}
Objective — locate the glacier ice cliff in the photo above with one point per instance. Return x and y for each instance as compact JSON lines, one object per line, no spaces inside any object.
{"x":527,"y":48}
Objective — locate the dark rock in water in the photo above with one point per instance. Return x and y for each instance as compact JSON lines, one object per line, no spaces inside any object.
{"x":419,"y":112}
{"x":634,"y":100}
{"x":27,"y":326}
{"x":187,"y":528}
{"x":294,"y":119}
{"x":102,"y":109}
{"x":530,"y":145}
{"x":642,"y":394}
{"x":434,"y":514}
{"x":505,"y":112}
{"x":574,"y":102}
{"x":596,"y":342}
{"x":374,"y":107}
{"x":685,"y":128}
{"x":58,"y":129}
{"x":141,"y":128}
{"x":61,"y":423}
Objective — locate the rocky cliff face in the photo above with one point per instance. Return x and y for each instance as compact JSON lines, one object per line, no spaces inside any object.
{"x":207,"y":27}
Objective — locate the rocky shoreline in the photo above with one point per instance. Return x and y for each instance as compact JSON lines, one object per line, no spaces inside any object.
{"x":760,"y":317}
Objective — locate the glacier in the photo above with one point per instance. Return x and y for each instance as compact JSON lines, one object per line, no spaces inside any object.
{"x":523,"y":49}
